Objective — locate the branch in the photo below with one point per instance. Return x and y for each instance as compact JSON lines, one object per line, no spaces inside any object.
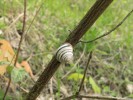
{"x":95,"y":97}
{"x":92,"y":15}
{"x":81,"y":85}
{"x":20,"y":42}
{"x":107,"y":33}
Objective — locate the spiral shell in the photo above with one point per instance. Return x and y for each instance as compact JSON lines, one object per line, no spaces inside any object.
{"x":65,"y":53}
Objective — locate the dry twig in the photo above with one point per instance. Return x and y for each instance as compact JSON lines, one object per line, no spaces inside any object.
{"x":107,"y":33}
{"x":33,"y":19}
{"x":81,"y":85}
{"x":95,"y":97}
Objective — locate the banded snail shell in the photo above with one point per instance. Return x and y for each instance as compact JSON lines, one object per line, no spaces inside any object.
{"x":65,"y":53}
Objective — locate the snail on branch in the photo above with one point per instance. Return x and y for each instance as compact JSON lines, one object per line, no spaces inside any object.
{"x":64,"y":53}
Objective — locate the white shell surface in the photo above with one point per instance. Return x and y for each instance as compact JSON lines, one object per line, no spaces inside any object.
{"x":65,"y":53}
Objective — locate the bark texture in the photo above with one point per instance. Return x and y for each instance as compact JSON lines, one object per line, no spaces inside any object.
{"x":88,"y":20}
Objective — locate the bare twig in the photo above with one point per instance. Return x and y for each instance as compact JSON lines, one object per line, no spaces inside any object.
{"x":95,"y":97}
{"x":9,"y":82}
{"x":107,"y":33}
{"x":33,"y":19}
{"x":23,"y":30}
{"x":81,"y":85}
{"x":15,"y":62}
{"x":15,"y":20}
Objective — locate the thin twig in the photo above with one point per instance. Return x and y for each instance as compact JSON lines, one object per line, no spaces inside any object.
{"x":81,"y":85}
{"x":102,"y":97}
{"x":95,"y":97}
{"x":8,"y":85}
{"x":107,"y":33}
{"x":23,"y":30}
{"x":33,"y":19}
{"x":15,"y":20}
{"x":15,"y":62}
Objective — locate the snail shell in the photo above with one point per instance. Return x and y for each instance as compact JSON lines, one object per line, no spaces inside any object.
{"x":65,"y":53}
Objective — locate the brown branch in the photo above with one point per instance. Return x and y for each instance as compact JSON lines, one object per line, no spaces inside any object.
{"x":107,"y":33}
{"x":81,"y":85}
{"x":9,"y":82}
{"x":20,"y":42}
{"x":22,"y":35}
{"x":92,"y":15}
{"x":95,"y":97}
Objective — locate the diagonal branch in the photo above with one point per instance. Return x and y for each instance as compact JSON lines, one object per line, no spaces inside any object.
{"x":107,"y":33}
{"x":38,"y":10}
{"x":92,"y":15}
{"x":81,"y":85}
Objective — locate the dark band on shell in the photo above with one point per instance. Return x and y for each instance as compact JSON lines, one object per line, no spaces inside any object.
{"x":65,"y":53}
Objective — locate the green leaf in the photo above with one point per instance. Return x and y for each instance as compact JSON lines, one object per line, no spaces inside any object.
{"x":95,"y":87}
{"x":76,"y":77}
{"x":18,"y":74}
{"x":9,"y":69}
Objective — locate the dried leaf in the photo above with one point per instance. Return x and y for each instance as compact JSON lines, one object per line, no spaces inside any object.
{"x":6,"y":55}
{"x":27,"y":68}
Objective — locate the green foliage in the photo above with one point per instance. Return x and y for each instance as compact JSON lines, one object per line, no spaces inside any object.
{"x":18,"y":74}
{"x":9,"y":69}
{"x":76,"y":77}
{"x":95,"y":87}
{"x":130,"y":95}
{"x":2,"y":25}
{"x":7,"y":97}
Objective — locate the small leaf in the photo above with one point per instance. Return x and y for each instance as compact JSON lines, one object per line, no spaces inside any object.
{"x":76,"y":77}
{"x":9,"y":69}
{"x":95,"y":87}
{"x":18,"y":74}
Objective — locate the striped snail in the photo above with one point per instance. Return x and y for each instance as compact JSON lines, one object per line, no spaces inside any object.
{"x":64,"y":53}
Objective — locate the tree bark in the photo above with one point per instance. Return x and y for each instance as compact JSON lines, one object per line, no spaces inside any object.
{"x":88,"y":20}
